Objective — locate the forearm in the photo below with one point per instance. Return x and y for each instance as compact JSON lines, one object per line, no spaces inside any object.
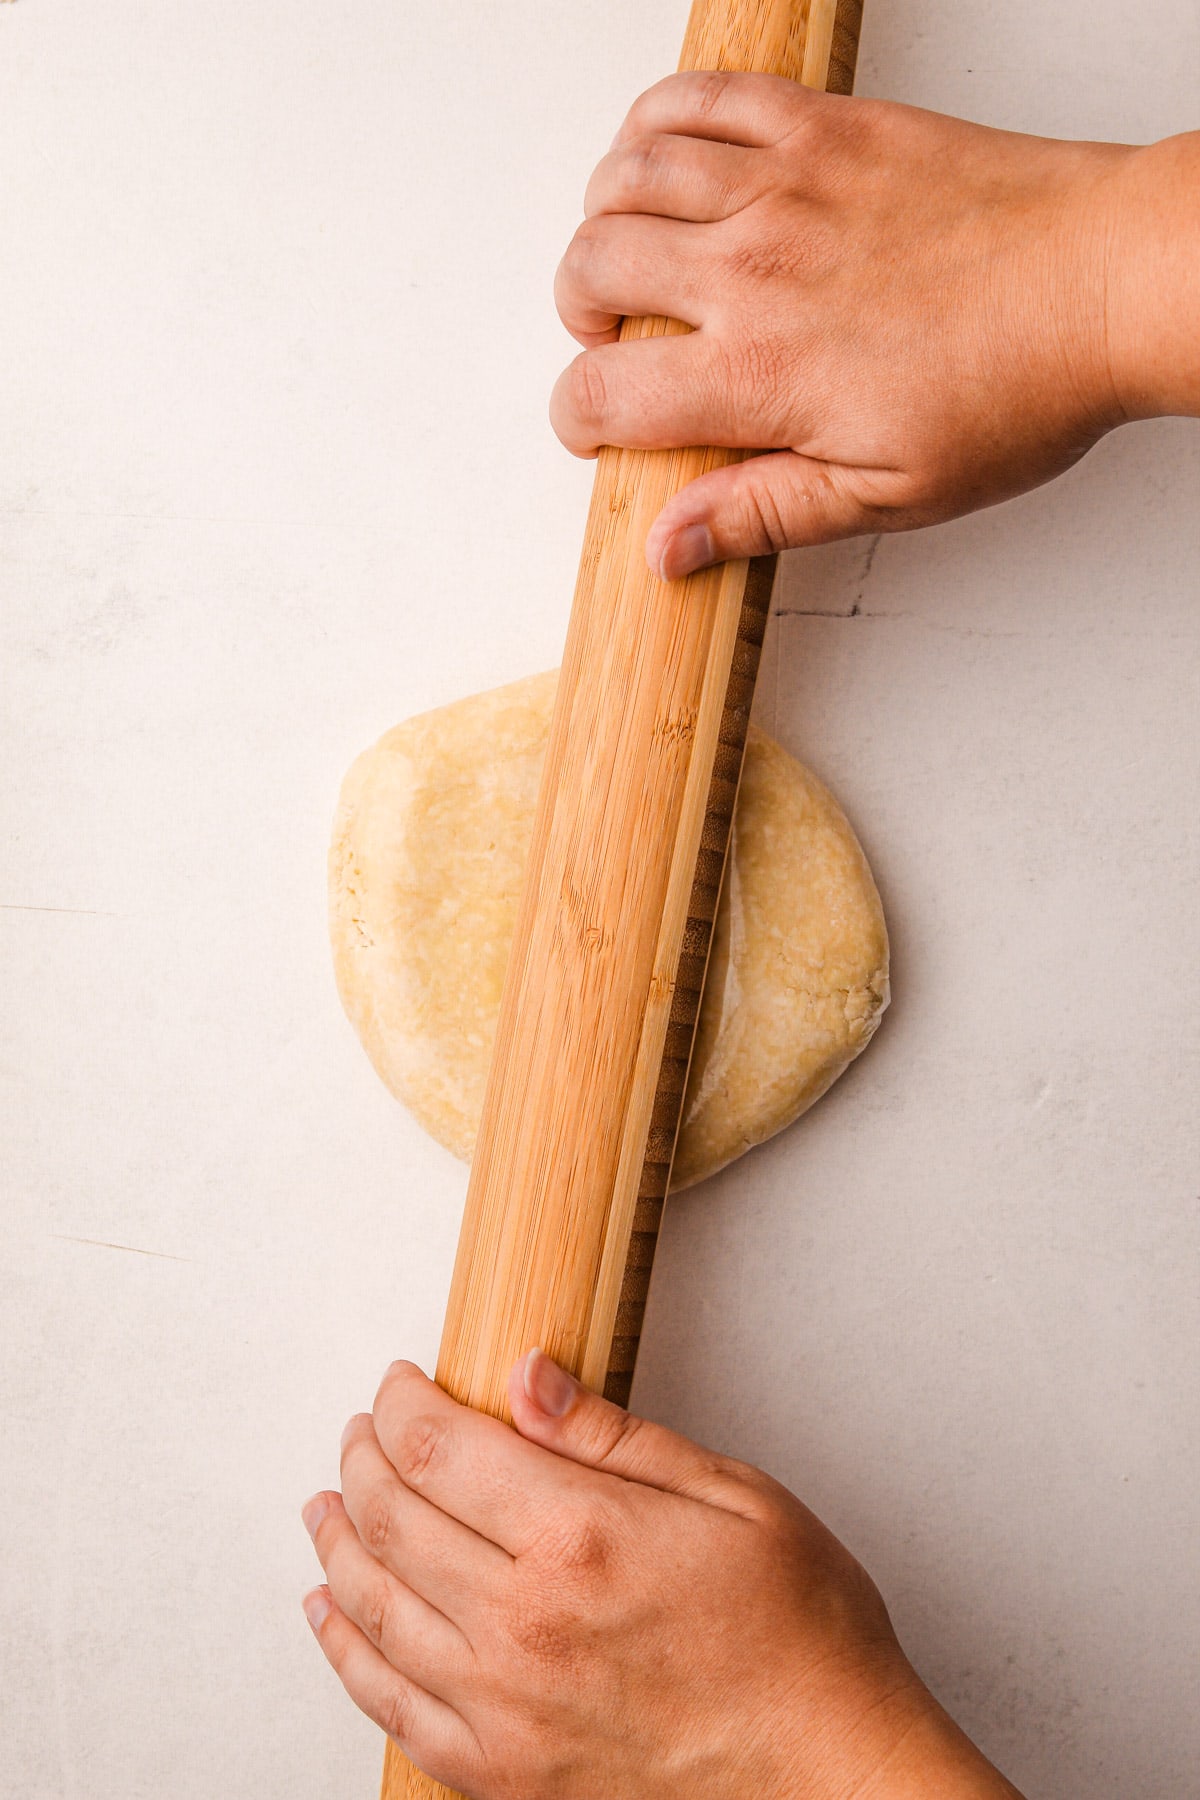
{"x":1153,"y":323}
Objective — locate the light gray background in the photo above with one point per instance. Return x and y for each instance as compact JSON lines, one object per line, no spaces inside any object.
{"x":275,"y":343}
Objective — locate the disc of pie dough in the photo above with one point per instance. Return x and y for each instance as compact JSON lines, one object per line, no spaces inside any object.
{"x":429,"y":846}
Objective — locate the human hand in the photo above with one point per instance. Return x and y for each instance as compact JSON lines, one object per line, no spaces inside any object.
{"x":917,"y":315}
{"x":591,"y":1605}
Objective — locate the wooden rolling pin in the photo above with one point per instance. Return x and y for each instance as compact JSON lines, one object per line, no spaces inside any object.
{"x":603,"y":986}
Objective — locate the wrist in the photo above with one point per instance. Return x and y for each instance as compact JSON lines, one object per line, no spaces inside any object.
{"x":902,"y":1745}
{"x":935,"y":1757}
{"x":1152,"y":307}
{"x":1055,"y":357}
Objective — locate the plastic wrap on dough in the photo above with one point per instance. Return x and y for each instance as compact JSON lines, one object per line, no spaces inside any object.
{"x":429,"y":847}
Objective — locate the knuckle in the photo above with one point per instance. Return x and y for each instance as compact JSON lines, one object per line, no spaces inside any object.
{"x":760,"y":1498}
{"x":375,"y":1525}
{"x":643,"y":166}
{"x":582,"y":250}
{"x":817,"y":120}
{"x":588,"y":1550}
{"x":397,"y":1713}
{"x":718,"y":1474}
{"x":592,"y":1551}
{"x":621,"y":1428}
{"x":806,"y":125}
{"x":831,"y":133}
{"x":757,"y":1480}
{"x":732,"y":194}
{"x":420,"y":1446}
{"x":399,"y":1380}
{"x":377,"y":1614}
{"x":581,"y":1549}
{"x":649,"y":99}
{"x":710,"y":86}
{"x":763,"y":519}
{"x":587,"y":393}
{"x":851,"y":127}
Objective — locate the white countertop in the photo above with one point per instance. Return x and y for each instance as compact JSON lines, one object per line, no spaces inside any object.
{"x":276,"y":337}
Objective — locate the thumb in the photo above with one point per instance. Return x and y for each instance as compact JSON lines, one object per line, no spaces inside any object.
{"x":552,"y":1409}
{"x":765,"y":504}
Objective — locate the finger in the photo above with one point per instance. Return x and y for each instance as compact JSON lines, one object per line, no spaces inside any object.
{"x":430,"y":1733}
{"x":658,"y":394}
{"x":770,"y":503}
{"x":752,"y":110}
{"x":621,"y":263}
{"x":675,"y":177}
{"x":469,"y":1465}
{"x":554,"y":1410}
{"x":415,"y":1637}
{"x":451,"y":1566}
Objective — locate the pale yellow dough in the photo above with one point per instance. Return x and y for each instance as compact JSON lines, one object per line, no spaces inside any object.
{"x":429,"y":846}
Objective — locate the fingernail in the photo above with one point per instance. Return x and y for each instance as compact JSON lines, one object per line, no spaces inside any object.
{"x":348,"y":1430}
{"x":317,"y":1607}
{"x":313,"y":1511}
{"x":548,"y":1386}
{"x":689,"y":548}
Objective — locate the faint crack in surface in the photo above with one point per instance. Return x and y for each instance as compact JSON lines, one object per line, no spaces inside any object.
{"x":858,"y":612}
{"x":815,"y":612}
{"x":133,"y":1249}
{"x":82,"y":912}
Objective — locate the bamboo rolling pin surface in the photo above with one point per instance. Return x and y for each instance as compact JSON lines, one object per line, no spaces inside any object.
{"x":603,"y":986}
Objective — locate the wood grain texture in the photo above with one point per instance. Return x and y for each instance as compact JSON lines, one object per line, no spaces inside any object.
{"x":580,"y":1116}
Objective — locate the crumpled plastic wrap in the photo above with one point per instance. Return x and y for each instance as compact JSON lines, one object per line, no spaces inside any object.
{"x":429,"y":846}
